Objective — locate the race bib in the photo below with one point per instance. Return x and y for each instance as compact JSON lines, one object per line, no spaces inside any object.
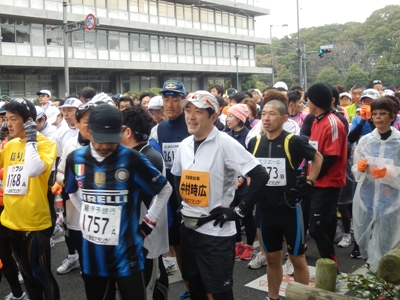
{"x":16,"y":181}
{"x":100,"y":224}
{"x":276,"y":168}
{"x":169,"y":151}
{"x":195,"y":187}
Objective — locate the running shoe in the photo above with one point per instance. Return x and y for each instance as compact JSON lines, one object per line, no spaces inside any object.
{"x":346,"y":241}
{"x":258,"y":260}
{"x":289,"y":267}
{"x":58,"y":232}
{"x":356,"y":252}
{"x":247,"y":253}
{"x":170,"y":264}
{"x":11,"y":297}
{"x":68,"y":264}
{"x":239,"y":248}
{"x":185,"y":296}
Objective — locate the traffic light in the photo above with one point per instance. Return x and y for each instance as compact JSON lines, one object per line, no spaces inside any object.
{"x":322,"y":51}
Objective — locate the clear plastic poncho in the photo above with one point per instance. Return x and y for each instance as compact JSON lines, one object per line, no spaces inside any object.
{"x":376,"y":203}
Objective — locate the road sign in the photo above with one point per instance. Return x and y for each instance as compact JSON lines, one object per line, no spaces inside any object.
{"x":326,"y":47}
{"x":90,"y":22}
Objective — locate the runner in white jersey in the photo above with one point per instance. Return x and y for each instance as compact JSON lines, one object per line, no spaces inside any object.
{"x":206,"y":166}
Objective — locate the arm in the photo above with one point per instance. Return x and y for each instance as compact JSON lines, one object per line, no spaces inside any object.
{"x":355,"y":132}
{"x":327,"y":163}
{"x":34,"y":165}
{"x":316,"y":165}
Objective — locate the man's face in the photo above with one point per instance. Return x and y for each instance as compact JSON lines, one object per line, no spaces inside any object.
{"x":345,"y":101}
{"x":124,"y":105}
{"x":82,"y":125}
{"x":378,"y":87}
{"x":271,"y":118}
{"x":171,"y":106}
{"x":15,"y":125}
{"x":40,"y":123}
{"x":69,"y":115}
{"x":103,"y":149}
{"x":145,"y":102}
{"x":43,"y":98}
{"x":157,"y":115}
{"x":298,"y":106}
{"x":356,"y":95}
{"x":198,"y":121}
{"x":256,"y":96}
{"x":366,"y":101}
{"x":214,"y":92}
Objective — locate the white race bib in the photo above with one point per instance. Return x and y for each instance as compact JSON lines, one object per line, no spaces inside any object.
{"x":100,"y":224}
{"x":169,"y":151}
{"x":16,"y":181}
{"x":276,"y":168}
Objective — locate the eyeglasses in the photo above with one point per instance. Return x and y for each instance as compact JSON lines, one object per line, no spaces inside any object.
{"x":376,"y":82}
{"x":380,"y":113}
{"x":172,"y":94}
{"x":20,"y":101}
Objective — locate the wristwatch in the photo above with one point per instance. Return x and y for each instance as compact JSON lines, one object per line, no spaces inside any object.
{"x":239,"y":212}
{"x":311,"y":181}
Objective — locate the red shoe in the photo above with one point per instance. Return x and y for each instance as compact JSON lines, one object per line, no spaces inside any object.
{"x":239,"y":249}
{"x":247,"y":253}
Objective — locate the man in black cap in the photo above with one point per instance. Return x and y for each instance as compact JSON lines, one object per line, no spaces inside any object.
{"x":328,"y":136}
{"x":111,"y":178}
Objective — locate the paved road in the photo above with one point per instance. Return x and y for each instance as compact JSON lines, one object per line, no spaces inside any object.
{"x":72,"y":288}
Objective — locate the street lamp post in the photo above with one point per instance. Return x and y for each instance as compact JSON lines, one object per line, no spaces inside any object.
{"x":65,"y":32}
{"x":272,"y":54}
{"x":237,"y":71}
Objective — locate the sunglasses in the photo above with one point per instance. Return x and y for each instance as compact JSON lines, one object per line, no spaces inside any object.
{"x":376,"y":82}
{"x":172,"y":94}
{"x":87,"y":106}
{"x":20,"y":101}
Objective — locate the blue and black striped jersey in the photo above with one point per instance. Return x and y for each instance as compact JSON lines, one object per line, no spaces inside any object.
{"x":111,"y":196}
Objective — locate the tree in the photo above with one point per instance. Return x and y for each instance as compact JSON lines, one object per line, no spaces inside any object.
{"x":355,"y":75}
{"x":329,"y":75}
{"x":285,"y":76}
{"x":383,"y":71}
{"x":247,"y":83}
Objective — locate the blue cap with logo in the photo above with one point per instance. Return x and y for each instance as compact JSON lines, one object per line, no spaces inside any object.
{"x":174,"y":86}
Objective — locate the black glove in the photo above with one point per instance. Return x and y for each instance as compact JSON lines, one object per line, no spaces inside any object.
{"x":224,"y":214}
{"x":305,"y":189}
{"x":145,"y":229}
{"x":3,"y":131}
{"x":30,"y":128}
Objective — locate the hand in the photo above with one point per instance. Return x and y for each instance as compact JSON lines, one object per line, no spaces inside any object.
{"x":305,"y":190}
{"x":224,"y":214}
{"x":365,"y":112}
{"x":56,"y":189}
{"x":378,"y":172}
{"x":3,"y":131}
{"x":145,"y":229}
{"x":362,"y":165}
{"x":30,"y":128}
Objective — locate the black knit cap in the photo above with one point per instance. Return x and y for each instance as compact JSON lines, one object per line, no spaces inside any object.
{"x":320,"y":95}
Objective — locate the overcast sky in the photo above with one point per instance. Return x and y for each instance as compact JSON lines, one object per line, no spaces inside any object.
{"x":313,"y":13}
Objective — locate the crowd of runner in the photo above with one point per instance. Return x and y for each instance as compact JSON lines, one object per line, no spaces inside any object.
{"x":140,"y":187}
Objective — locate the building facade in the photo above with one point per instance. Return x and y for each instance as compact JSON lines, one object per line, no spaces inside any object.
{"x":138,"y":44}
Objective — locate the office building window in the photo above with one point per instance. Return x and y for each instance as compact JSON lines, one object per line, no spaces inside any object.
{"x":37,"y":35}
{"x":154,"y":44}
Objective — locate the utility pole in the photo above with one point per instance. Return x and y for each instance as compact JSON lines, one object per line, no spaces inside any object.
{"x":65,"y":31}
{"x":299,"y":51}
{"x":305,"y":67}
